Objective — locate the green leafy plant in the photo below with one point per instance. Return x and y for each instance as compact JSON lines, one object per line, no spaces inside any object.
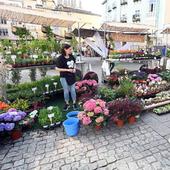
{"x":107,"y":94}
{"x":20,"y":104}
{"x":44,"y":118}
{"x":126,"y":88}
{"x":24,"y":90}
{"x":165,"y":75}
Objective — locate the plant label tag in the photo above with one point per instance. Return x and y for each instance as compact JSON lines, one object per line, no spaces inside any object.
{"x":51,"y":115}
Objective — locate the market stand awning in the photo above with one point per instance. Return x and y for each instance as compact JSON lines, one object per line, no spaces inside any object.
{"x":87,"y":32}
{"x":126,"y":28}
{"x":40,"y":17}
{"x":166,"y":31}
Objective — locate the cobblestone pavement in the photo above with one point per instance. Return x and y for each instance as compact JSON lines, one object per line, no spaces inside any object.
{"x":133,"y":147}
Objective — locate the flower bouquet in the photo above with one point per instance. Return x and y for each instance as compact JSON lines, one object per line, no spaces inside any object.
{"x":86,"y":89}
{"x":95,"y":113}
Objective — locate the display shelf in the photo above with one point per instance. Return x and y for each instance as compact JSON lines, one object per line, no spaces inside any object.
{"x":156,"y":105}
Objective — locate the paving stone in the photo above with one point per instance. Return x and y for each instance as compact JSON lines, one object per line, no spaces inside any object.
{"x":18,"y":163}
{"x":157,"y":165}
{"x":151,"y":159}
{"x":29,"y":160}
{"x":93,"y":166}
{"x":66,"y":167}
{"x":102,"y":149}
{"x":33,"y":164}
{"x":91,"y":153}
{"x":46,"y":167}
{"x":111,"y":159}
{"x":58,"y":163}
{"x":69,"y":160}
{"x":44,"y":161}
{"x":123,"y":167}
{"x":137,"y":147}
{"x":7,"y":166}
{"x":75,"y":165}
{"x":84,"y":161}
{"x":101,"y":163}
{"x":133,"y":166}
{"x":141,"y":163}
{"x":94,"y":159}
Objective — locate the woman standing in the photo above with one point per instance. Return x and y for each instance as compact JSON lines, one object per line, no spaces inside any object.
{"x":66,"y":67}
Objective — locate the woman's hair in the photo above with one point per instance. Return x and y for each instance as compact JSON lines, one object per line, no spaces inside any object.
{"x":65,"y":46}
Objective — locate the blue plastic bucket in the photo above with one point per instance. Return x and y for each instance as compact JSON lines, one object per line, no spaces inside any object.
{"x":72,"y":114}
{"x":71,"y":126}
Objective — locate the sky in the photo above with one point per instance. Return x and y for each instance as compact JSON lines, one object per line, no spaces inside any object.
{"x":93,"y":5}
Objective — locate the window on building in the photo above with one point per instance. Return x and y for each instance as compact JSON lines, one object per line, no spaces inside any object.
{"x":3,"y":21}
{"x":29,"y":7}
{"x":137,"y":12}
{"x":3,"y":32}
{"x":151,"y":8}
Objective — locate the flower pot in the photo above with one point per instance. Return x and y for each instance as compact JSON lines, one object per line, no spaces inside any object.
{"x":58,"y":124}
{"x":98,"y":127}
{"x":132,"y":120}
{"x":120,"y":123}
{"x":16,"y":134}
{"x":45,"y":126}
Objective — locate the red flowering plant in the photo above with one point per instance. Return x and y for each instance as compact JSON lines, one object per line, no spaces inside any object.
{"x":86,"y":89}
{"x":122,"y":109}
{"x":113,"y":79}
{"x":95,"y":112}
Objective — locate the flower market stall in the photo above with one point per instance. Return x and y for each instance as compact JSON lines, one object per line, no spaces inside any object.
{"x":122,"y":99}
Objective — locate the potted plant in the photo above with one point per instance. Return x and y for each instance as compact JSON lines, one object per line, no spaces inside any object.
{"x":122,"y":110}
{"x":50,"y":117}
{"x":107,"y":94}
{"x":135,"y":110}
{"x":126,"y":88}
{"x":95,"y":113}
{"x":113,"y":79}
{"x":86,"y":89}
{"x":20,"y":104}
{"x":10,"y":122}
{"x":117,"y":111}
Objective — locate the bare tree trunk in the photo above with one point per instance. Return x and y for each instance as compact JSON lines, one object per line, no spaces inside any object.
{"x":3,"y":82}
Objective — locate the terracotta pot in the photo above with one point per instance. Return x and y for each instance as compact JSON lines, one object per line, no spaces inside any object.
{"x":132,"y":120}
{"x":120,"y":123}
{"x":16,"y":134}
{"x":98,"y":127}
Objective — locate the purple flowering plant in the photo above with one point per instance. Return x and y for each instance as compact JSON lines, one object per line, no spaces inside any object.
{"x":10,"y":119}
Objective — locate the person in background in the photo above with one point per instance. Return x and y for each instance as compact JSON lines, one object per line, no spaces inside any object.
{"x":66,"y":67}
{"x":164,"y":51}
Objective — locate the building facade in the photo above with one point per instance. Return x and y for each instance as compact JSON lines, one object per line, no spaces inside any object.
{"x":65,"y":9}
{"x":154,"y":13}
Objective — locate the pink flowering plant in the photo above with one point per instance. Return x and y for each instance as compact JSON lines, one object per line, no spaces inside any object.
{"x":95,"y":112}
{"x":86,"y":89}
